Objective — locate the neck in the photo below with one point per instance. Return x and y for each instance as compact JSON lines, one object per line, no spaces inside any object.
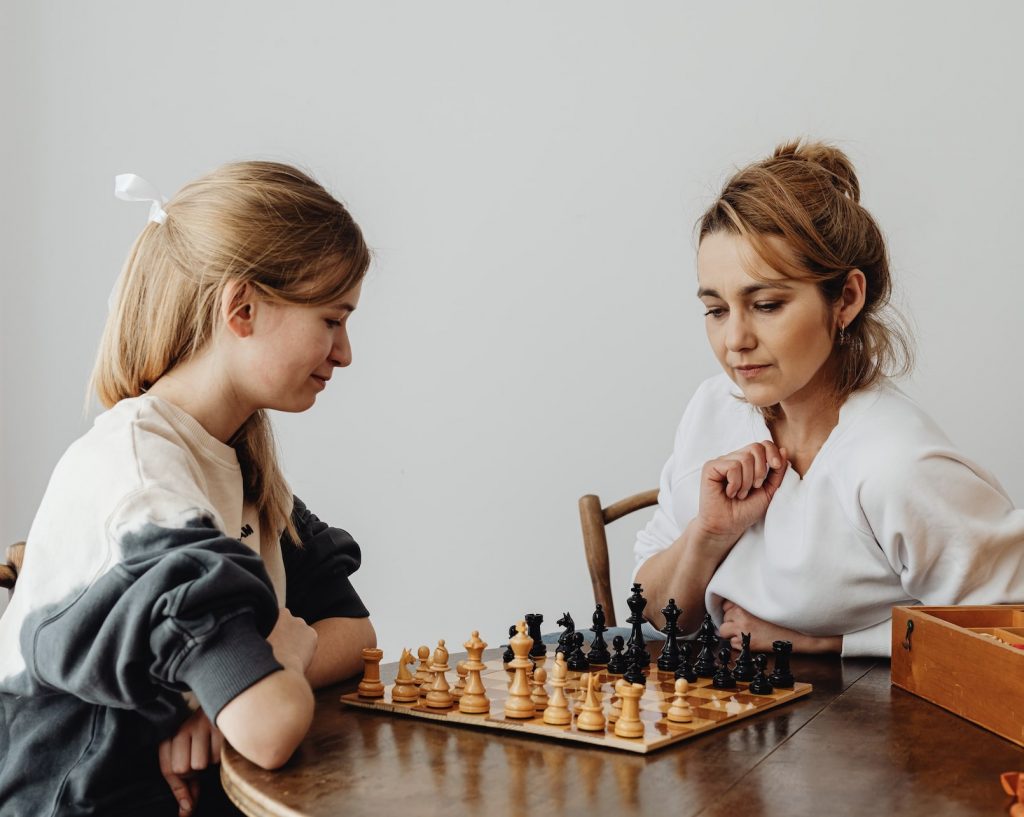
{"x":805,"y":421}
{"x":200,"y":389}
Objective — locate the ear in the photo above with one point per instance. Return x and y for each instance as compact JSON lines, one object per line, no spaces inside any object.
{"x":238,"y":308}
{"x":851,"y":299}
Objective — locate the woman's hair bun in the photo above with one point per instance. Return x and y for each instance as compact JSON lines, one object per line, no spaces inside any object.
{"x":829,"y":158}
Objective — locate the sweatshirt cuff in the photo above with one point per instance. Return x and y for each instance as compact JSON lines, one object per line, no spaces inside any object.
{"x":871,"y":641}
{"x":222,"y":667}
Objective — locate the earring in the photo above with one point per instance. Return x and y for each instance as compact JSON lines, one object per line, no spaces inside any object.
{"x":844,"y":339}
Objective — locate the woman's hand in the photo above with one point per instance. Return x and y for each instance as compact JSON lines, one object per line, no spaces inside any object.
{"x":736,"y":620}
{"x":196,"y":745}
{"x":293,"y":641}
{"x":735,"y":489}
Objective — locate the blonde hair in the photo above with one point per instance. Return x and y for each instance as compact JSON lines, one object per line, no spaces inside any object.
{"x":807,"y":194}
{"x":264,"y":224}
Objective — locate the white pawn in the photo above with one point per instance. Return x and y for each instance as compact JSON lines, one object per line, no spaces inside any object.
{"x":680,"y":711}
{"x":539,"y":696}
{"x":557,"y":712}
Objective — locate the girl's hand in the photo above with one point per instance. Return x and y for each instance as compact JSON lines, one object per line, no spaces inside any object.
{"x":293,"y":641}
{"x":196,"y":745}
{"x":736,"y":488}
{"x":736,"y":620}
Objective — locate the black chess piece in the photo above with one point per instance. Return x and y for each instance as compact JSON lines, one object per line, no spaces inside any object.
{"x":533,"y":622}
{"x":705,"y":665}
{"x":668,"y":661}
{"x":635,"y":675}
{"x":685,"y":668}
{"x":781,"y":677}
{"x":724,"y":678}
{"x":508,"y":655}
{"x":744,"y":669}
{"x":598,"y":654}
{"x":707,"y":633}
{"x":636,"y":603}
{"x":578,"y":661}
{"x":565,"y":639}
{"x":617,"y":663}
{"x":761,"y":685}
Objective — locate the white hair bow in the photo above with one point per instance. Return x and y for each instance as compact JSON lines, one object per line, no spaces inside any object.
{"x":129,"y":187}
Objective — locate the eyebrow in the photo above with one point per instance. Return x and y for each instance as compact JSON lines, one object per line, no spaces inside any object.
{"x":747,"y":290}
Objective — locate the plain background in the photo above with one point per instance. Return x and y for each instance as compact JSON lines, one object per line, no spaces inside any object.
{"x":528,"y":175}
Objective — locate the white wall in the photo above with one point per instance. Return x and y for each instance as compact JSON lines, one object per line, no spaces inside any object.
{"x":529,"y":175}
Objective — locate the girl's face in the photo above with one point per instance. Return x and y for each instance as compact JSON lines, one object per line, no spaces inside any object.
{"x":297,"y":349}
{"x":772,"y":336}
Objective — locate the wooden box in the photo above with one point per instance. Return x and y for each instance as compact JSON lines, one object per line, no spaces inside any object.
{"x":963,"y":659}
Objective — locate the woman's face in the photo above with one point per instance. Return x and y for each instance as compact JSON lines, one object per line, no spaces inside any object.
{"x":772,"y":334}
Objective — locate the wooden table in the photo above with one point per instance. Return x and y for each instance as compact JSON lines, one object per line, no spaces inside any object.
{"x":855,"y":746}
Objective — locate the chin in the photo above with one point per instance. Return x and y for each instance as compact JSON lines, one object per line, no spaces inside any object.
{"x":759,"y":396}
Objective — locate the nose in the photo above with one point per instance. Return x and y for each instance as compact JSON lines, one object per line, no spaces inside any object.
{"x":341,"y":352}
{"x":739,"y":336}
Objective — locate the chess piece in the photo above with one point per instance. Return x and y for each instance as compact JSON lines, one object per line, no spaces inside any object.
{"x":565,"y":639}
{"x":707,"y":634}
{"x":705,"y":666}
{"x":744,"y":669}
{"x":781,"y":677}
{"x":405,"y":689}
{"x":616,"y":708}
{"x":724,"y":679}
{"x":629,"y":724}
{"x":581,"y":688}
{"x":636,"y":603}
{"x":761,"y":685}
{"x":685,"y":669}
{"x":371,"y":686}
{"x":474,"y":698}
{"x":680,"y":711}
{"x":539,"y":695}
{"x":519,"y":704}
{"x":635,"y":675}
{"x":668,"y":661}
{"x":460,"y":685}
{"x":598,"y":655}
{"x":533,"y":622}
{"x":440,"y":696}
{"x":617,"y":663}
{"x":578,"y":661}
{"x":423,"y":674}
{"x":508,"y":656}
{"x":591,"y":718}
{"x":557,"y":712}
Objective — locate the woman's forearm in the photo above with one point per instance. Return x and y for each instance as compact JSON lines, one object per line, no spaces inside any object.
{"x":339,"y":647}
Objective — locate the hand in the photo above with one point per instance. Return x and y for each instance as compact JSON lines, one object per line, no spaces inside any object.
{"x":735,"y":489}
{"x":736,"y":620}
{"x":293,"y":641}
{"x":195,"y":746}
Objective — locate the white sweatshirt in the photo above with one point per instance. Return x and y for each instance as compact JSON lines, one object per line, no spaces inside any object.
{"x":889,"y":513}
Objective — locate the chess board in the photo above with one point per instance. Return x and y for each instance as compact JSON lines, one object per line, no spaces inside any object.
{"x":712,"y":708}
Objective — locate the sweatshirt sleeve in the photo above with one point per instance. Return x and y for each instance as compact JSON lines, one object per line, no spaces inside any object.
{"x":871,"y":641}
{"x":318,"y":570}
{"x":182,"y":607}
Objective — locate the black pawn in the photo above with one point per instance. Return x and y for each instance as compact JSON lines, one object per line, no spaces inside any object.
{"x":744,"y":669}
{"x":533,"y":622}
{"x":705,"y":665}
{"x":598,"y":654}
{"x":668,"y":661}
{"x":617,"y":663}
{"x":577,"y":659}
{"x":724,"y":678}
{"x":635,"y":675}
{"x":508,"y":656}
{"x":685,"y":668}
{"x":761,"y":685}
{"x":636,"y":603}
{"x":565,"y":639}
{"x":781,"y":676}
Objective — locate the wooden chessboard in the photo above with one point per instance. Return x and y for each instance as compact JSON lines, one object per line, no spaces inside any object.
{"x":712,"y":708}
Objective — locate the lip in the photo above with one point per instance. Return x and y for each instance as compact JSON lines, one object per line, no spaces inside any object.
{"x":321,"y":380}
{"x":750,"y":372}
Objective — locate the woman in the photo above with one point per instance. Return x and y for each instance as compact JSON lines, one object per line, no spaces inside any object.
{"x":806,"y":494}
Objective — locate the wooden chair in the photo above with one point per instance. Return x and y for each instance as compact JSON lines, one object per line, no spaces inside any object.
{"x":593,"y":519}
{"x":9,"y":572}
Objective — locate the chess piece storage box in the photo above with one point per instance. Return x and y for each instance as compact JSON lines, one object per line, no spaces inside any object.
{"x":964,"y":660}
